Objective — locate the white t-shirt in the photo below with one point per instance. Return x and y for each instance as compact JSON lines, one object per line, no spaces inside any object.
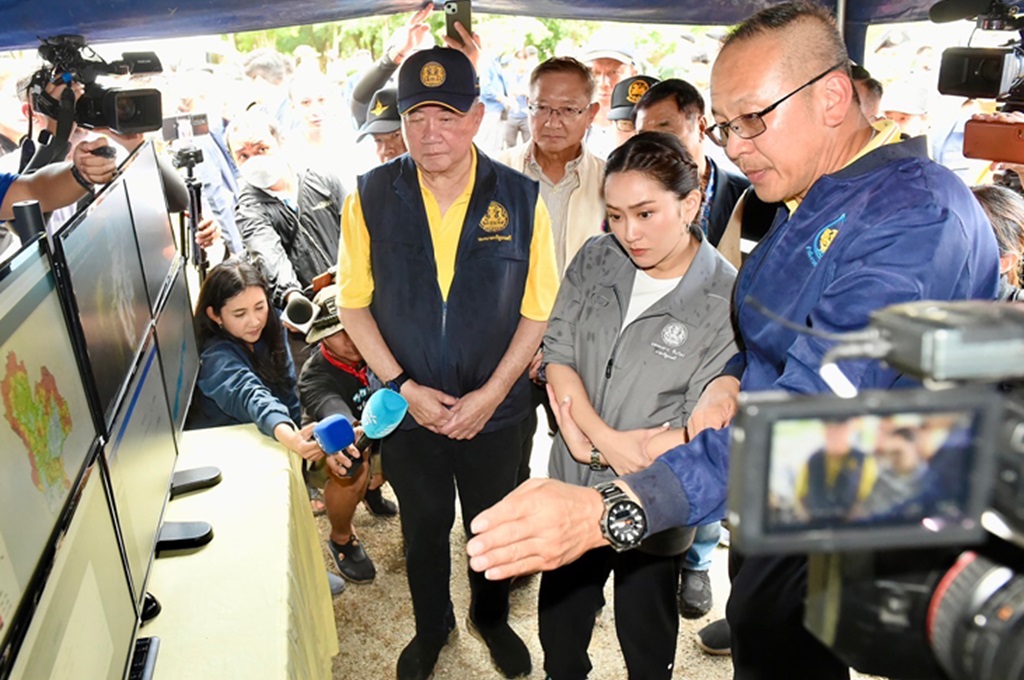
{"x":646,"y":291}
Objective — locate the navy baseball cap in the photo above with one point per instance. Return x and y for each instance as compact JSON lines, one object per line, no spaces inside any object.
{"x":626,"y":94}
{"x":439,"y":76}
{"x":382,"y":114}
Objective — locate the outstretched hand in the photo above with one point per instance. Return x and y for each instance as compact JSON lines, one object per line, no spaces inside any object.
{"x":542,"y":525}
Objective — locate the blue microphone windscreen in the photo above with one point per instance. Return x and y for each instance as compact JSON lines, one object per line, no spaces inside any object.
{"x":334,"y":433}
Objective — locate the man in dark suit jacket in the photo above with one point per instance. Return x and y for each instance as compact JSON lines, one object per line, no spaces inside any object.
{"x":675,"y":106}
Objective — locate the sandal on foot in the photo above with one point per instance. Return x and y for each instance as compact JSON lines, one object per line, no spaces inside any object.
{"x":352,"y":561}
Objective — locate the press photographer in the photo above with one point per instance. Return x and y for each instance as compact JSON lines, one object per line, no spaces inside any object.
{"x":64,"y":95}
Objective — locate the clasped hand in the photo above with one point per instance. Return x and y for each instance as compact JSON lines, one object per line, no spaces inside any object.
{"x":453,"y":417}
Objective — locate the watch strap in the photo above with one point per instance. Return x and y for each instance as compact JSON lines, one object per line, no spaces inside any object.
{"x":396,"y":383}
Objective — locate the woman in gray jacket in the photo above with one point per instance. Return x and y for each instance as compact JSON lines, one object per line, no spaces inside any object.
{"x":640,"y":325}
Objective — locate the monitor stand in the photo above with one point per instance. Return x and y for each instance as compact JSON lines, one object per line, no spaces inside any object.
{"x":183,"y":536}
{"x":150,"y":608}
{"x":186,"y":481}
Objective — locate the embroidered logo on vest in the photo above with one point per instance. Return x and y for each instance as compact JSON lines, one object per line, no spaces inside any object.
{"x":824,"y":239}
{"x":432,"y":74}
{"x":496,"y":218}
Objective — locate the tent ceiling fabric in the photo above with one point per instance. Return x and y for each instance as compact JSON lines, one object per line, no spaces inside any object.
{"x":22,"y":22}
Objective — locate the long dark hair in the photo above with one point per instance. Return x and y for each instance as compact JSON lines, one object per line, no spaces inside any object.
{"x":224,"y":282}
{"x":661,"y":157}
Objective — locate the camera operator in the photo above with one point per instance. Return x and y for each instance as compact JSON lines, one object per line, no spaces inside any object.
{"x":870,"y":221}
{"x":174,"y":187}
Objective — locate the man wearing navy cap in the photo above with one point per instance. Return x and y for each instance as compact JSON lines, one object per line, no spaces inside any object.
{"x":454,"y":335}
{"x":384,"y":123}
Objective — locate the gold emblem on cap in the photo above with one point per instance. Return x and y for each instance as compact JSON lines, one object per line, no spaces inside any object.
{"x":496,"y":218}
{"x":432,"y":74}
{"x":636,"y":90}
{"x":379,"y":108}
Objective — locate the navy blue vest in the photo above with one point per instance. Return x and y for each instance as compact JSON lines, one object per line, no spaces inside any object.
{"x":452,"y":346}
{"x":836,"y":501}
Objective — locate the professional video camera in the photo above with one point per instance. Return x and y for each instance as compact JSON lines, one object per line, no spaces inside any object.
{"x":987,"y":73}
{"x":126,"y":111}
{"x":910,"y":503}
{"x":72,"y":62}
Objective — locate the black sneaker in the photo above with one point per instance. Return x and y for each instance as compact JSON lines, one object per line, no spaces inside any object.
{"x":694,"y":594}
{"x":379,"y":506}
{"x":352,"y":561}
{"x":508,"y":651}
{"x":715,"y":638}
{"x":417,"y":660}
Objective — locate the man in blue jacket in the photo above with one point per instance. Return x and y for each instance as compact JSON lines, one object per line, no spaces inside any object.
{"x":869,"y":222}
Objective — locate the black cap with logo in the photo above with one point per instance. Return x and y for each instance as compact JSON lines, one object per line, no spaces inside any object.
{"x":626,"y":94}
{"x":382,"y":114}
{"x":439,"y":76}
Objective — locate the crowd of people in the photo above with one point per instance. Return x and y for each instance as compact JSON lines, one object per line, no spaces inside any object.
{"x":564,"y":232}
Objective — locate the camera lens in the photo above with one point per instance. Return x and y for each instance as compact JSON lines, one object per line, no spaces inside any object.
{"x":976,"y":621}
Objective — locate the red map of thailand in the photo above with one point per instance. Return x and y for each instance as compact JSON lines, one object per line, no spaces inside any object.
{"x":40,"y":417}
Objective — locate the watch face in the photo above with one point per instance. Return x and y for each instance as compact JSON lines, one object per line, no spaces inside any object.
{"x":626,"y":522}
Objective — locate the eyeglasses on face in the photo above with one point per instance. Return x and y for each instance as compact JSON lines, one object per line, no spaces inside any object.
{"x":564,"y":113}
{"x":750,"y":125}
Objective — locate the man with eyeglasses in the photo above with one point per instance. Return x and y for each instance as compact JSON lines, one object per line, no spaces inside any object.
{"x":869,"y":221}
{"x":561,"y":112}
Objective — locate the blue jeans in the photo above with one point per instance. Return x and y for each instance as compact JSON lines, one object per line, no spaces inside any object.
{"x":698,"y":557}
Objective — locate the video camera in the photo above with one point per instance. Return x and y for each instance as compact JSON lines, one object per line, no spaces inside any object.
{"x":125,"y":111}
{"x":910,"y":503}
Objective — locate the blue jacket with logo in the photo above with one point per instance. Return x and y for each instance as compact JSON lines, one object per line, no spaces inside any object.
{"x":891,"y":227}
{"x":452,"y":344}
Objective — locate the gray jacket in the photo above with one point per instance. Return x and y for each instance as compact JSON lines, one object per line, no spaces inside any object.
{"x":654,"y":371}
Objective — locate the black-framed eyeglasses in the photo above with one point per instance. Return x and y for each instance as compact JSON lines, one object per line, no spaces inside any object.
{"x":750,"y":125}
{"x":565,"y":113}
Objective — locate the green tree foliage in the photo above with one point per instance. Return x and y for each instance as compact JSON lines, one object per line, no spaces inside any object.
{"x":666,"y":49}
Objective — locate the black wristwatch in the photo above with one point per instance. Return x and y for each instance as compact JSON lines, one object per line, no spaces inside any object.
{"x":397,"y":382}
{"x":623,"y":523}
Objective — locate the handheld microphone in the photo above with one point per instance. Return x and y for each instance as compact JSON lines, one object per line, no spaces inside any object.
{"x":334,"y":434}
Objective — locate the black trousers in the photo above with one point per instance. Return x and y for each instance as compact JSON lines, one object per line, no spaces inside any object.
{"x":765,"y":614}
{"x":646,"y":612}
{"x":423,"y":469}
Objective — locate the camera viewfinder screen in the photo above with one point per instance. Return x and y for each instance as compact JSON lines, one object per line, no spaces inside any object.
{"x":903,"y":469}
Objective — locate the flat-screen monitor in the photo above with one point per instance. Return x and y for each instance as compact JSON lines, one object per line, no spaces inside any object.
{"x":47,"y":427}
{"x":179,"y":353}
{"x":896,"y":469}
{"x":153,"y":229}
{"x":109,"y":291}
{"x":140,"y":453}
{"x":85,"y":624}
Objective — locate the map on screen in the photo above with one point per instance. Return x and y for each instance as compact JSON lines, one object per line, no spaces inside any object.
{"x":46,"y":429}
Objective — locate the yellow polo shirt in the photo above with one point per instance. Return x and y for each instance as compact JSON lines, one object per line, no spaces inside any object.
{"x":355,"y":273}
